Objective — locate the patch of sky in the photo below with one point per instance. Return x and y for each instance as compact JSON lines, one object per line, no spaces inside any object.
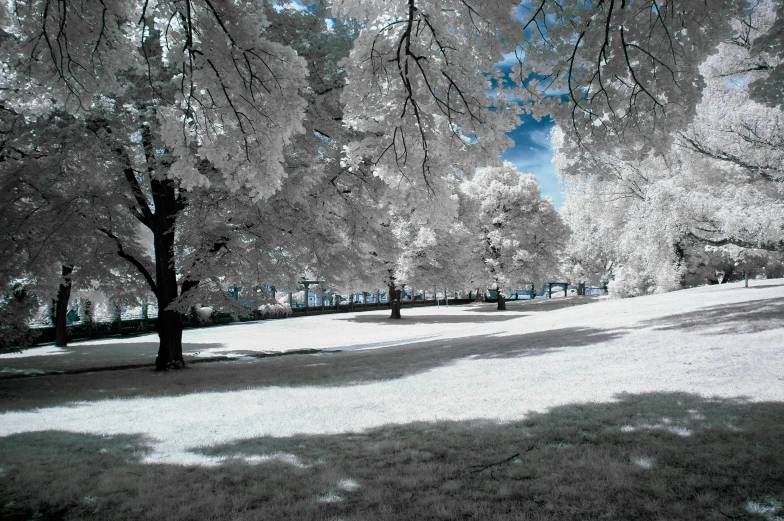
{"x":533,"y":153}
{"x":737,"y":83}
{"x":296,"y":5}
{"x":511,"y":58}
{"x":321,"y":136}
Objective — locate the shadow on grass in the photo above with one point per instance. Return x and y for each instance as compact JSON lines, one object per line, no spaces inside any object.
{"x":324,"y":368}
{"x":645,"y":457}
{"x":474,"y":313}
{"x":90,"y":357}
{"x":745,"y":317}
{"x":532,"y":306}
{"x":409,"y":319}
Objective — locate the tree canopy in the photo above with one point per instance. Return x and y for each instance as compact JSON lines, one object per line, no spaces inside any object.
{"x":206,"y":144}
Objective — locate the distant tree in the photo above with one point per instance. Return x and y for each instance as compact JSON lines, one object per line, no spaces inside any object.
{"x":712,"y":203}
{"x":519,"y":235}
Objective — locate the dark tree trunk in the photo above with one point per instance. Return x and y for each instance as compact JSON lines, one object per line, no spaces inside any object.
{"x":501,"y":301}
{"x":170,"y":323}
{"x":680,"y":253}
{"x":581,"y":288}
{"x":61,"y":308}
{"x":395,"y":302}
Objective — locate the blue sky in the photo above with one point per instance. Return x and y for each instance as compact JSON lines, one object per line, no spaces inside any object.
{"x":532,"y":154}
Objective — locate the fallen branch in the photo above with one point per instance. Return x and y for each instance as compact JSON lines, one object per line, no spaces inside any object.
{"x":510,"y":458}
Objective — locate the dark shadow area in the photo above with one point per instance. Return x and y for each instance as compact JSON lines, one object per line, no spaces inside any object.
{"x":487,"y":312}
{"x":321,"y":368}
{"x":409,"y":319}
{"x":80,"y":358}
{"x":745,"y":317}
{"x":533,"y":306}
{"x":577,"y":462}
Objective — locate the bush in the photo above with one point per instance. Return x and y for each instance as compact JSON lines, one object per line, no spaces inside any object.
{"x":203,"y":315}
{"x":628,"y":283}
{"x":15,"y":312}
{"x":274,"y":311}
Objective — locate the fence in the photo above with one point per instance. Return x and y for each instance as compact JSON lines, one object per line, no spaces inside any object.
{"x":347,"y":307}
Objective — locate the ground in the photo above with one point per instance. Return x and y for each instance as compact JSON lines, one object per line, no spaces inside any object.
{"x":660,"y":407}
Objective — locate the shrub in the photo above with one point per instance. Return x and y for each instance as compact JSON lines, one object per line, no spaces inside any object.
{"x":274,"y":311}
{"x":15,"y":311}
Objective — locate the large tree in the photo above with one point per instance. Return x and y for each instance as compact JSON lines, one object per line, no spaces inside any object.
{"x":183,"y":95}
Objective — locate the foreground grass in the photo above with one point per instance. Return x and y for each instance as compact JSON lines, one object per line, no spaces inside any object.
{"x":653,"y":456}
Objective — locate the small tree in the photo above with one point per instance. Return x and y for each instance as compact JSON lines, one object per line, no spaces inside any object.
{"x":519,"y":235}
{"x":16,"y":309}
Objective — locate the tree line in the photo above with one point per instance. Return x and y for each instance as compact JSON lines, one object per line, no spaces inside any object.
{"x":173,"y":149}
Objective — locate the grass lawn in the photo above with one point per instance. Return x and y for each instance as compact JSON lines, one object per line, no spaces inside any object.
{"x":665,"y":407}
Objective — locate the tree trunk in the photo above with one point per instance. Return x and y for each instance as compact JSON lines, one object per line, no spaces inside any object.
{"x":61,"y":308}
{"x":501,"y":301}
{"x":170,"y":322}
{"x":581,"y":288}
{"x":395,"y":301}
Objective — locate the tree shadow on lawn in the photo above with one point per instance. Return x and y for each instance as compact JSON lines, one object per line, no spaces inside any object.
{"x":532,"y":306}
{"x":745,"y":317}
{"x":487,"y":312}
{"x":646,"y":457}
{"x":410,"y":319}
{"x":325,"y":368}
{"x":80,"y":357}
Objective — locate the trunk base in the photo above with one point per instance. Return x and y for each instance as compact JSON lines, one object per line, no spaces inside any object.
{"x":163,"y":365}
{"x":395,"y":304}
{"x":501,"y":302}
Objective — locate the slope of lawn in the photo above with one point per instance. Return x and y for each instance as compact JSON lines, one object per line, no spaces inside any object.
{"x":660,"y":407}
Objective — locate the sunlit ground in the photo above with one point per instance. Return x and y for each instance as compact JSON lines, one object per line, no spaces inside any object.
{"x":663,"y":407}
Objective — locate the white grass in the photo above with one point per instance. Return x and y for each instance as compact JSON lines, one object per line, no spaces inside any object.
{"x":645,"y":358}
{"x":348,"y":484}
{"x":770,"y":509}
{"x":330,"y":497}
{"x":290,"y":459}
{"x":36,"y":351}
{"x":643,"y":462}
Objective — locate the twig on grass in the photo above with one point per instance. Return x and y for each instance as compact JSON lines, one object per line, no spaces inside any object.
{"x":731,"y":516}
{"x":485,"y":467}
